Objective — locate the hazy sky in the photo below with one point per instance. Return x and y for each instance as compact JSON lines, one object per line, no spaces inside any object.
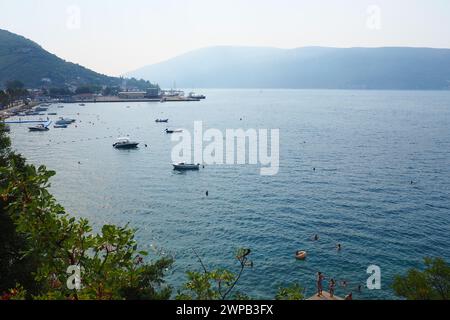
{"x":113,"y":37}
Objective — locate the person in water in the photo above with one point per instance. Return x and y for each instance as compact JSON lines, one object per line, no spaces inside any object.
{"x":331,"y":287}
{"x":338,"y":247}
{"x":320,"y":278}
{"x":349,"y":296}
{"x":316,"y":237}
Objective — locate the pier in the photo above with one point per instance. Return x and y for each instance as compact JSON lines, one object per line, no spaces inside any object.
{"x":325,"y":297}
{"x":117,"y":99}
{"x":25,"y":121}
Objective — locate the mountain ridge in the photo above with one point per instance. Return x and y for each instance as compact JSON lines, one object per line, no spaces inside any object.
{"x":25,"y":60}
{"x":310,"y":67}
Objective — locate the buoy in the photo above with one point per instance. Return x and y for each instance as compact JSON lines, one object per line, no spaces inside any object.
{"x":300,"y":255}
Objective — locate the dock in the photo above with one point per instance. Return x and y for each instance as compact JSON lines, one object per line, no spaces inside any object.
{"x":117,"y":99}
{"x":25,"y":121}
{"x":325,"y":297}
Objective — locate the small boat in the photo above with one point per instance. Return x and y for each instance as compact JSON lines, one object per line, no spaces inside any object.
{"x":125,"y":143}
{"x":300,"y":255}
{"x":162,"y":120}
{"x":40,"y":109}
{"x":196,"y":96}
{"x":65,"y":121}
{"x":60,"y":126}
{"x":39,"y":127}
{"x":186,"y":166}
{"x":173,"y":131}
{"x":52,"y":114}
{"x":60,"y":107}
{"x":82,"y":105}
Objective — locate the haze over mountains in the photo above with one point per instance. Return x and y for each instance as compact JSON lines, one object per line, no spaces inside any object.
{"x":244,"y":67}
{"x":310,"y":67}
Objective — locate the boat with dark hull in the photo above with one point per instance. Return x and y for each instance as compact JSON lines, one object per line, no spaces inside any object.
{"x":185,"y":166}
{"x":39,"y":128}
{"x":125,"y":143}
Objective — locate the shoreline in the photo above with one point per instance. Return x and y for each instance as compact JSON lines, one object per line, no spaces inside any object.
{"x":6,"y":113}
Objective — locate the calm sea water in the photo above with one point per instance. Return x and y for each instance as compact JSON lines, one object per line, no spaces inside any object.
{"x":366,"y":147}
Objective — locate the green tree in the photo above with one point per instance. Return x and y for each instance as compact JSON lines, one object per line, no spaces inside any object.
{"x":4,"y":98}
{"x":294,"y":292}
{"x":216,"y":284}
{"x":45,"y":241}
{"x":15,"y":90}
{"x":431,"y":284}
{"x":84,"y":89}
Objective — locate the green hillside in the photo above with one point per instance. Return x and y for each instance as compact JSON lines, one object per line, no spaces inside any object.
{"x":24,"y":60}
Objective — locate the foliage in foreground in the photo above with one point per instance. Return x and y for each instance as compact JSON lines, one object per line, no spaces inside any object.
{"x":216,"y":284}
{"x":431,"y":284}
{"x":294,"y":292}
{"x":44,"y":241}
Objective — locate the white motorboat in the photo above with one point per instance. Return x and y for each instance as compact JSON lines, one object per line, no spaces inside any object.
{"x":39,"y":127}
{"x":196,"y":96}
{"x":186,"y":166}
{"x":62,"y":121}
{"x":125,"y":143}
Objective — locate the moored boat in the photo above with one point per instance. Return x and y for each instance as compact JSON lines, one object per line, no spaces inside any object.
{"x":162,"y":120}
{"x":39,"y":127}
{"x":185,"y":166}
{"x":62,"y":121}
{"x":196,"y":96}
{"x":173,"y":131}
{"x":125,"y":143}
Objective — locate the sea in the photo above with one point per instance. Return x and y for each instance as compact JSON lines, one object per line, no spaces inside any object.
{"x":369,"y":170}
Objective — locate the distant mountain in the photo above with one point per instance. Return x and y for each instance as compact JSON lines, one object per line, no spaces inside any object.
{"x":309,"y":67}
{"x":24,"y":60}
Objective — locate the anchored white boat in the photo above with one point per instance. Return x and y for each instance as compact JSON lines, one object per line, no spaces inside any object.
{"x":39,"y":127}
{"x":186,"y":166}
{"x":62,"y":121}
{"x":125,"y":143}
{"x":193,"y":95}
